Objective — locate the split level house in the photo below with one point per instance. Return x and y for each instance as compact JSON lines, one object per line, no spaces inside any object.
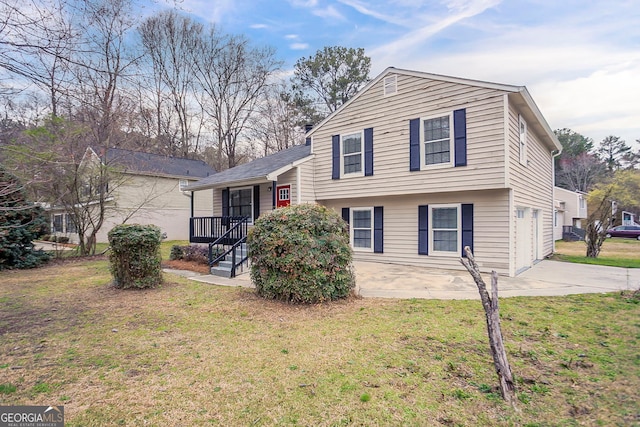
{"x":419,"y":165}
{"x":143,"y":189}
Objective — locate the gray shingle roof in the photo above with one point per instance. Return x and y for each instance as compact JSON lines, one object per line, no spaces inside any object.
{"x":155,"y":164}
{"x":257,"y":169}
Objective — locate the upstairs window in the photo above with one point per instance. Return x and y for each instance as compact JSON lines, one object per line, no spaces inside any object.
{"x":522,"y":138}
{"x":352,"y":154}
{"x":182,"y":184}
{"x":436,"y":136}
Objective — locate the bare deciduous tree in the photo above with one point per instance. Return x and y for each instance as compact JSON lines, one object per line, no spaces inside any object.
{"x":233,"y":77}
{"x":169,"y":41}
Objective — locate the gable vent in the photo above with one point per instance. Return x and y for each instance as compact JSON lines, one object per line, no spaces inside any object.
{"x":390,"y":85}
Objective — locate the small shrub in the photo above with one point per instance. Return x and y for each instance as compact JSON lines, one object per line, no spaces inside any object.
{"x":135,"y":256}
{"x":177,"y":252}
{"x":301,"y":253}
{"x":194,"y":253}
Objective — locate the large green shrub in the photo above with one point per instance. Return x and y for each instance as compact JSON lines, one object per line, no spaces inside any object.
{"x":135,"y":256}
{"x":301,"y":253}
{"x":20,"y":223}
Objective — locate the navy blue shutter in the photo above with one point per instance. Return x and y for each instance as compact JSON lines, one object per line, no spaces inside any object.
{"x":414,"y":145}
{"x":335,"y":156}
{"x":368,"y":152}
{"x":307,"y":141}
{"x":256,"y":201}
{"x":378,"y":237}
{"x":346,"y":214}
{"x":467,"y":227}
{"x":225,"y":202}
{"x":423,"y":230}
{"x":460,"y":137}
{"x":273,"y":194}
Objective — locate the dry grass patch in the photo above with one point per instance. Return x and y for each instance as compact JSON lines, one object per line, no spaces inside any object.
{"x":194,"y":354}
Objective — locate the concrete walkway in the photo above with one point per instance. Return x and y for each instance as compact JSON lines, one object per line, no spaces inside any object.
{"x":547,"y":278}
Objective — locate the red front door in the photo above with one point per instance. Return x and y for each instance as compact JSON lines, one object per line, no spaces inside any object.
{"x":283,"y":196}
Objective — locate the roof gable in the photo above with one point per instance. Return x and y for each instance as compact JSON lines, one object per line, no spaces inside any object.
{"x":519,"y":92}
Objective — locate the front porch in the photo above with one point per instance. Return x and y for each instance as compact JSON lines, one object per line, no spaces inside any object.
{"x":226,"y":237}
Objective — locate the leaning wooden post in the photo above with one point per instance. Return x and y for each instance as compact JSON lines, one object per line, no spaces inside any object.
{"x":490,"y":304}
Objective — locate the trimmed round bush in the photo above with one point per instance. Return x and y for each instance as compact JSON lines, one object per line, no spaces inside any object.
{"x":301,"y":254}
{"x":135,"y":256}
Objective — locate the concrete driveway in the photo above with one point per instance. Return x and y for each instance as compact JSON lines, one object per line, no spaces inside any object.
{"x":547,"y":278}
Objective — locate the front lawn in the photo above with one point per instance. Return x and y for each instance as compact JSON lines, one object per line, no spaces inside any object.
{"x":195,"y":354}
{"x":615,"y":252}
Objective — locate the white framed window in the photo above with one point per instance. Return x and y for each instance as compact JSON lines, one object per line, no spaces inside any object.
{"x":583,"y":203}
{"x":182,"y":184}
{"x":241,"y":202}
{"x":522,"y":138}
{"x":361,"y":223}
{"x":436,"y":141}
{"x":390,"y":85}
{"x":445,"y":231}
{"x":352,"y":154}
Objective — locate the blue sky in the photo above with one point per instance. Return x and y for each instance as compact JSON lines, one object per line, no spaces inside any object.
{"x":579,"y":59}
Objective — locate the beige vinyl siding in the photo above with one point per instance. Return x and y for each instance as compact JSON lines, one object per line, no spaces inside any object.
{"x":532,"y":183}
{"x":389,"y":117}
{"x":307,"y":193}
{"x":401,"y":228}
{"x":142,"y":199}
{"x":266,"y":197}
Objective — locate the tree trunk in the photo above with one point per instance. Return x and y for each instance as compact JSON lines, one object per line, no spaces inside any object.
{"x":490,"y":305}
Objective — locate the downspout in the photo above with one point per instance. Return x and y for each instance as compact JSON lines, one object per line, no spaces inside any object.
{"x":554,"y":154}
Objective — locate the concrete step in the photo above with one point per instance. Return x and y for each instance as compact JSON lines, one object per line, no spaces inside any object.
{"x":221,"y":271}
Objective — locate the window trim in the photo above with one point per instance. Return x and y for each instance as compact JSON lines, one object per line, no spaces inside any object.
{"x":432,"y":229}
{"x":522,"y":139}
{"x":182,"y":184}
{"x":451,"y":162}
{"x":231,"y":190}
{"x":371,"y":228}
{"x":362,"y":166}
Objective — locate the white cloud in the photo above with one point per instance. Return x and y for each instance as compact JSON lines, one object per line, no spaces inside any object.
{"x":411,"y":41}
{"x":291,"y":36}
{"x":367,"y":9}
{"x":304,"y":3}
{"x":329,"y":12}
{"x":299,"y":46}
{"x":258,"y":26}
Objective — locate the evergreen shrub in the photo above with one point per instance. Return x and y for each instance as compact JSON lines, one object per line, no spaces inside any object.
{"x":135,"y":256}
{"x":301,"y":253}
{"x":21,"y":222}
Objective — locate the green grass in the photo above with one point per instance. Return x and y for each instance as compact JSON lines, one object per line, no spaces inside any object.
{"x":207,"y":355}
{"x":614,"y":252}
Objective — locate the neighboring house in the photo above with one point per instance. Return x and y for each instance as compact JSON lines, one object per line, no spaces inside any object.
{"x":570,"y":214}
{"x":150,"y":190}
{"x":420,"y":165}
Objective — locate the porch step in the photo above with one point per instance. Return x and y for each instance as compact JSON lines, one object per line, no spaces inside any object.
{"x":221,"y":271}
